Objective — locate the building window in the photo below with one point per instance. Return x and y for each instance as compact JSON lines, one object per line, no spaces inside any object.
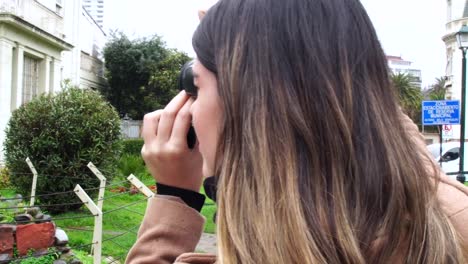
{"x":30,"y":79}
{"x":58,"y":9}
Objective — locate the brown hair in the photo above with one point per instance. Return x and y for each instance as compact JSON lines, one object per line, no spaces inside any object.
{"x":314,"y":164}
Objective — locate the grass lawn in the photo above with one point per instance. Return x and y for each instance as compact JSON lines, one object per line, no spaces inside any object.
{"x":119,"y":227}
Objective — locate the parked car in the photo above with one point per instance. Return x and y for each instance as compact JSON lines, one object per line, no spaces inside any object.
{"x":450,"y":159}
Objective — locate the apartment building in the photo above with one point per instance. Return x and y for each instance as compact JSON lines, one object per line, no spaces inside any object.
{"x":398,"y":65}
{"x":95,"y":8}
{"x":42,"y":43}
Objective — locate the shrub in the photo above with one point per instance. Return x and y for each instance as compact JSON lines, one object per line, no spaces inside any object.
{"x":132,"y":146}
{"x":4,"y":178}
{"x":133,"y":164}
{"x":61,"y":134}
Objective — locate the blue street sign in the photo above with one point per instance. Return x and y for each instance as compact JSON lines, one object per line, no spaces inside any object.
{"x":443,"y":112}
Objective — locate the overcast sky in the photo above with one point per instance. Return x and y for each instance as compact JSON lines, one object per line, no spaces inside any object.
{"x":410,"y":28}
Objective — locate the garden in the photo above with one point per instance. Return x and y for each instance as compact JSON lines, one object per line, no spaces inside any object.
{"x":61,"y":134}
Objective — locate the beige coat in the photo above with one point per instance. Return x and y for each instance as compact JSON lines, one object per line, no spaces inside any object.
{"x":170,"y":228}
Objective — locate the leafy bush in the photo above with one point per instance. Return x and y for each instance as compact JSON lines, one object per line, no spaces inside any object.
{"x":132,"y":146}
{"x":4,"y":178}
{"x":61,"y":134}
{"x":133,"y":164}
{"x":84,"y":257}
{"x":30,"y":259}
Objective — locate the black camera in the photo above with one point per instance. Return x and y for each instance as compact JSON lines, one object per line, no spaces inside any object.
{"x":186,"y":83}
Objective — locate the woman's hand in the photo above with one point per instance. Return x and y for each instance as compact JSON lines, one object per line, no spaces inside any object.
{"x":166,"y":152}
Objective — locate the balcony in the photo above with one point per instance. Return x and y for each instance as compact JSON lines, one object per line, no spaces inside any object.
{"x":454,"y":26}
{"x":35,"y":13}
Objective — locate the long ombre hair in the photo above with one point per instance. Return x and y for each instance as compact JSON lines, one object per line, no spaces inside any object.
{"x":314,"y":162}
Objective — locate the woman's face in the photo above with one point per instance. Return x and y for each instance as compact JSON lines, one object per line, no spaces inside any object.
{"x":206,"y":115}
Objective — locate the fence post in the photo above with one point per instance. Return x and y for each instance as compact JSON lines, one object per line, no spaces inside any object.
{"x":141,"y":187}
{"x":97,"y":234}
{"x":102,"y":184}
{"x":34,"y":183}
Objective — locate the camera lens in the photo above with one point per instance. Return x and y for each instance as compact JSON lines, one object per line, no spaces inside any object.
{"x":186,"y":79}
{"x":186,"y":83}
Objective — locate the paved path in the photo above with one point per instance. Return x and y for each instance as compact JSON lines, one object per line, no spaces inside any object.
{"x":207,"y":244}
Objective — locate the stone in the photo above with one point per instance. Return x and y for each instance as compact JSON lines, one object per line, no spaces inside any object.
{"x":23,"y":218}
{"x":63,"y":250}
{"x":67,"y":255}
{"x":61,"y":238}
{"x":75,"y":261}
{"x":5,"y":258}
{"x":34,"y":236}
{"x":43,"y":219}
{"x":33,"y":211}
{"x":7,"y":240}
{"x":110,"y":260}
{"x":39,"y":216}
{"x":40,"y":252}
{"x":60,"y":261}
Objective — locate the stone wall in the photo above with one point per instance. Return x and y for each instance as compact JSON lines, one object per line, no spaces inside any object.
{"x":33,"y":235}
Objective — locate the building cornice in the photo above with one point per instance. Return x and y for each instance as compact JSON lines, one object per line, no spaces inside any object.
{"x":17,"y":22}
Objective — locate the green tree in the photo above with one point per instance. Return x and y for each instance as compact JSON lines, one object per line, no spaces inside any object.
{"x":437,"y":90}
{"x":163,"y":83}
{"x":410,"y":96}
{"x":140,"y":73}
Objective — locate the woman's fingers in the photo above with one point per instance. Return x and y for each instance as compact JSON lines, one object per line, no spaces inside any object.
{"x":182,"y":125}
{"x":168,"y":116}
{"x":150,"y":125}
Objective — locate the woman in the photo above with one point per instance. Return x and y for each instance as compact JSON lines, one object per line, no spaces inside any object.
{"x":296,"y":114}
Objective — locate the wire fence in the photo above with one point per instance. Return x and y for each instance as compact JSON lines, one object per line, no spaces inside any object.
{"x":113,"y":201}
{"x":61,"y":193}
{"x":111,"y":204}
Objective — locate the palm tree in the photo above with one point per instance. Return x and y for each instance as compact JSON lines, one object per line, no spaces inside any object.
{"x":410,"y":96}
{"x":437,"y":90}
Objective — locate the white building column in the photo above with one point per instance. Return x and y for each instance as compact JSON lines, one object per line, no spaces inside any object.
{"x":55,"y":77}
{"x":44,"y":75}
{"x":17,"y":83}
{"x":6,"y":63}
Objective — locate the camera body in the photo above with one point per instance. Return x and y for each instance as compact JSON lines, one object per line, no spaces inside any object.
{"x":186,"y":83}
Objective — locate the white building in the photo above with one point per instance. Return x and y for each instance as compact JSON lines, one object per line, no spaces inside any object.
{"x":42,"y":43}
{"x":457,"y":16}
{"x":95,"y":8}
{"x":400,"y":66}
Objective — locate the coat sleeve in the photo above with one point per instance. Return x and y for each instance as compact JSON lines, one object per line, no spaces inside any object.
{"x":169,"y":228}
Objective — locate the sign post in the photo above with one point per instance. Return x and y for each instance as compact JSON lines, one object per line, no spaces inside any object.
{"x":443,"y":113}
